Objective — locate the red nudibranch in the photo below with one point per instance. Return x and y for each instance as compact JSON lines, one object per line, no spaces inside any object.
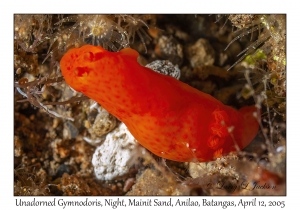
{"x":166,"y":116}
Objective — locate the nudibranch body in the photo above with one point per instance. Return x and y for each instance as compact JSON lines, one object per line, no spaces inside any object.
{"x":166,"y":116}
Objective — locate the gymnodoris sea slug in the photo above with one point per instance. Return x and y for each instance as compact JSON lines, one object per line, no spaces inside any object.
{"x":166,"y":116}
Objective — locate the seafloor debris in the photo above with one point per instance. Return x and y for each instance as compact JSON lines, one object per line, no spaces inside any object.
{"x":147,"y":184}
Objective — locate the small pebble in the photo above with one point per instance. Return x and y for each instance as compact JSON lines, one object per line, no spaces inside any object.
{"x":168,"y":48}
{"x":201,"y":53}
{"x":165,"y":67}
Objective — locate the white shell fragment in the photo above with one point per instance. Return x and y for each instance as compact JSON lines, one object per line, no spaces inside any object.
{"x":115,"y":156}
